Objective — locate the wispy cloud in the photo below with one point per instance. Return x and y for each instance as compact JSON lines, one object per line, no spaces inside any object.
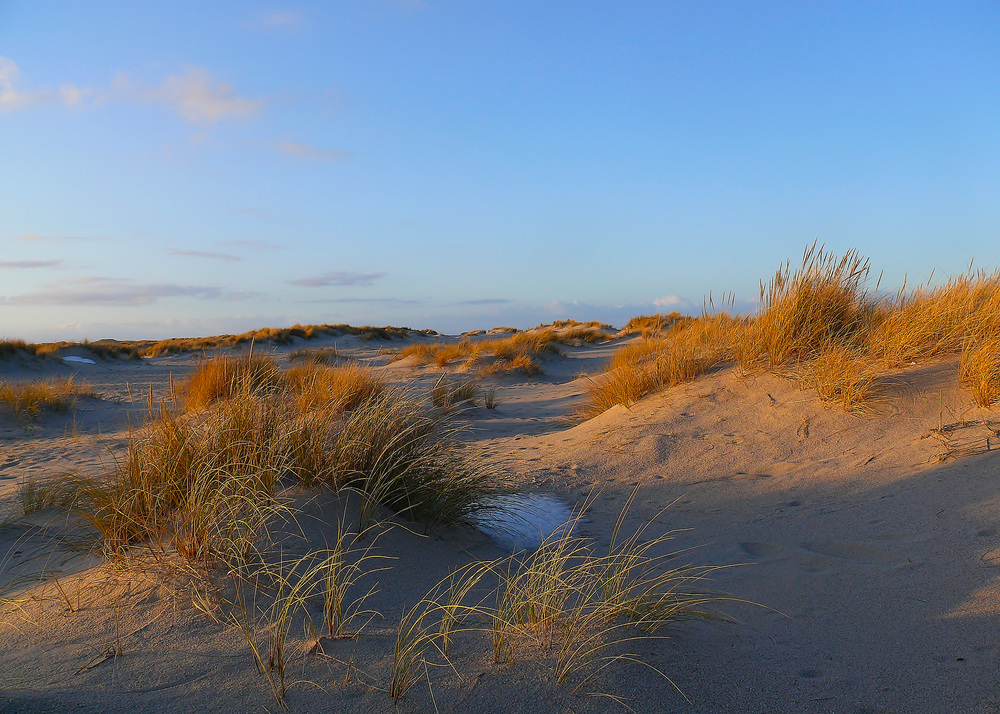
{"x":486,"y":301}
{"x":246,"y":295}
{"x":193,"y":94}
{"x":227,"y":257}
{"x":337,"y":278}
{"x":378,"y":301}
{"x":110,"y":292}
{"x":33,"y":238}
{"x":276,"y":20}
{"x":30,"y":263}
{"x":310,"y":152}
{"x":253,"y":244}
{"x":13,"y":97}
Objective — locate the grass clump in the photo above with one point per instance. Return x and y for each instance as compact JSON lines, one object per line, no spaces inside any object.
{"x":331,"y":389}
{"x":651,"y":325}
{"x":224,"y":377}
{"x":12,"y":348}
{"x":520,"y":352}
{"x":979,"y":369}
{"x":204,"y":486}
{"x":843,"y":376}
{"x":397,"y":455}
{"x":575,"y":605}
{"x":446,"y":395}
{"x":652,"y":364}
{"x":823,"y":303}
{"x":27,"y":400}
{"x":933,"y":321}
{"x":326,"y":356}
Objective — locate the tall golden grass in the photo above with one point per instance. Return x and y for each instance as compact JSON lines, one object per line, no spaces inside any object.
{"x":204,"y":481}
{"x":27,"y":400}
{"x":823,"y":324}
{"x":520,"y":352}
{"x":688,"y":350}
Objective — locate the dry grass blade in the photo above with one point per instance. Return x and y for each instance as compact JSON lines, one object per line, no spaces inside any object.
{"x":843,"y":376}
{"x":27,"y":400}
{"x":980,"y":368}
{"x":396,"y":455}
{"x":224,"y":377}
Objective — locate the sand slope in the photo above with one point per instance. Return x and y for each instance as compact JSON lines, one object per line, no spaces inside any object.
{"x":875,"y":564}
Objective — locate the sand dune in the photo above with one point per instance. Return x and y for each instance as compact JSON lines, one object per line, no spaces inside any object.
{"x":864,"y":553}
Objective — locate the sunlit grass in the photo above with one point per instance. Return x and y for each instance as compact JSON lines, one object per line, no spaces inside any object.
{"x":27,"y":400}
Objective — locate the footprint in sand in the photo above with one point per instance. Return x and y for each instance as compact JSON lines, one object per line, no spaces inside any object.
{"x":765,"y":550}
{"x":861,"y":552}
{"x":858,"y":552}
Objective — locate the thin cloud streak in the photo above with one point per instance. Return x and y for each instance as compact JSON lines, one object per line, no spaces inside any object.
{"x":32,"y":238}
{"x":311,"y":153}
{"x":378,"y":301}
{"x":254,"y":244}
{"x":29,"y":264}
{"x":226,"y":257}
{"x":339,"y":278}
{"x":110,"y":292}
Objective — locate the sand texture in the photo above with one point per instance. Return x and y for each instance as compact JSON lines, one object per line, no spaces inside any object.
{"x":863,"y":549}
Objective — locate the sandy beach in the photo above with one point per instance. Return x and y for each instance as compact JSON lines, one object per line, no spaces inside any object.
{"x":859,"y":552}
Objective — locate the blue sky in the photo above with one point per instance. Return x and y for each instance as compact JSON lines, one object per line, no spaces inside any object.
{"x":190,"y":168}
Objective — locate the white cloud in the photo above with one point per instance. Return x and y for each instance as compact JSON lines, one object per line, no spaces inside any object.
{"x":310,"y":153}
{"x":13,"y":98}
{"x":195,"y":95}
{"x":670,"y":301}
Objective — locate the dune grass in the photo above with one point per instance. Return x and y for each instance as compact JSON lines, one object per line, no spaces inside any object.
{"x":224,"y":377}
{"x":651,"y":325}
{"x":331,"y":389}
{"x":398,"y":455}
{"x":445,"y":395}
{"x":137,"y":349}
{"x":980,"y":368}
{"x":27,"y":400}
{"x":823,"y":325}
{"x":204,"y":480}
{"x":568,"y":603}
{"x":652,"y":364}
{"x":326,"y":356}
{"x":521,"y":352}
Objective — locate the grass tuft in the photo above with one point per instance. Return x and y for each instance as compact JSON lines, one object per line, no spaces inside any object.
{"x":224,"y":377}
{"x":27,"y":400}
{"x":980,"y":369}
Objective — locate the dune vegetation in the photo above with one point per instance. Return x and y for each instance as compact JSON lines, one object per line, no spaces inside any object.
{"x":824,"y":325}
{"x":137,"y":349}
{"x":27,"y":400}
{"x":521,"y":352}
{"x":208,"y":478}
